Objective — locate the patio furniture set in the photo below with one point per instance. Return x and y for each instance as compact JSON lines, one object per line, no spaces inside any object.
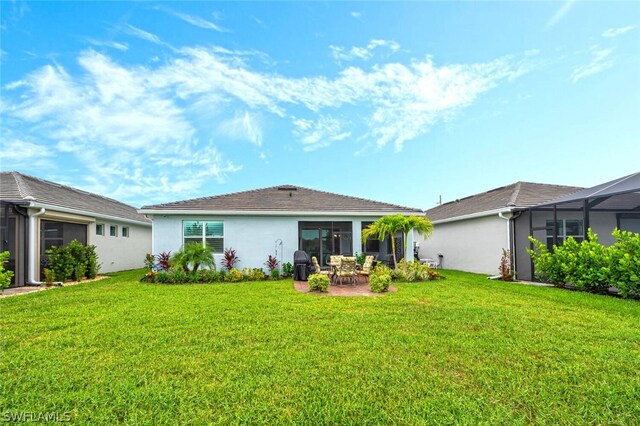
{"x":344,"y":268}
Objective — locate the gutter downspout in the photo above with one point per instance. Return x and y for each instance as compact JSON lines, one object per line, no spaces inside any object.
{"x":33,"y":242}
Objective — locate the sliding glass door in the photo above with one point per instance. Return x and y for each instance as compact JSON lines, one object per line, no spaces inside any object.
{"x":324,"y":239}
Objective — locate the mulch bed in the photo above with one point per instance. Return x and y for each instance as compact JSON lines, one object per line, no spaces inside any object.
{"x":360,"y":289}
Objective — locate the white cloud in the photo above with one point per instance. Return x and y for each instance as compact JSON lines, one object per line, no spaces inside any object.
{"x":340,"y":53}
{"x":615,"y":32}
{"x":319,"y":133}
{"x":243,"y":126}
{"x":193,"y":20}
{"x":560,"y":13}
{"x":356,"y":15}
{"x":144,"y":35}
{"x":113,"y":44}
{"x":600,"y":61}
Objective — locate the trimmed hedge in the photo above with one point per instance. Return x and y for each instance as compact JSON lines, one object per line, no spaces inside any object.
{"x":589,"y":265}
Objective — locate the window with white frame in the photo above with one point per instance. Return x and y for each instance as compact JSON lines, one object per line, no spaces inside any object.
{"x":99,"y":228}
{"x":113,"y":231}
{"x":209,"y":233}
{"x":125,"y":231}
{"x":566,"y":228}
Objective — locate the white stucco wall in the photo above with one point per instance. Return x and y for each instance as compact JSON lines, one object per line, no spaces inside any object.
{"x":472,"y":245}
{"x":253,"y":237}
{"x":120,"y":253}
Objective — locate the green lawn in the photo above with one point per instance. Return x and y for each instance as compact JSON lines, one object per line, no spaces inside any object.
{"x":462,"y":350}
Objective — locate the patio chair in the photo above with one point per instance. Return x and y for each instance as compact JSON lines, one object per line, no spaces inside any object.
{"x":366,"y":267}
{"x":347,"y":270}
{"x":318,"y":269}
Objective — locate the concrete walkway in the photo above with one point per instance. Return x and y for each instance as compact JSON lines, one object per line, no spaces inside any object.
{"x":18,"y":291}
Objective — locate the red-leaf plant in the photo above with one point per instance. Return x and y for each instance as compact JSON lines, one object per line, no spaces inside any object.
{"x":229,"y":259}
{"x":272,"y":263}
{"x":164,"y":260}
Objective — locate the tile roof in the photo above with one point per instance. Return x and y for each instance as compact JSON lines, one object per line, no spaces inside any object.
{"x":519,"y":194}
{"x":18,"y":187}
{"x":284,"y":198}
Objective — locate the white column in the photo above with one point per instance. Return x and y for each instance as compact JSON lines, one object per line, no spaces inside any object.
{"x":34,"y":231}
{"x":357,"y":236}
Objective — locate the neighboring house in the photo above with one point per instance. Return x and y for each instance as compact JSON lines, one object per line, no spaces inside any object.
{"x":470,"y":233}
{"x":36,"y":214}
{"x":274,"y":221}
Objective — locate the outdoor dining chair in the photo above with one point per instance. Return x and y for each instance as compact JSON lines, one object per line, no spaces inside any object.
{"x":366,"y":267}
{"x":347,"y":270}
{"x":316,"y":266}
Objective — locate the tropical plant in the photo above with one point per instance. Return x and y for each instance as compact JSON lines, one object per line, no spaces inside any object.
{"x":386,"y":226}
{"x":149,"y":261}
{"x":91,"y":260}
{"x":505,"y":266}
{"x":193,"y":255}
{"x":410,"y":271}
{"x":253,"y":274}
{"x":49,"y":277}
{"x":5,"y":276}
{"x":360,"y":258}
{"x":80,"y":272}
{"x":272,"y":263}
{"x":380,"y":278}
{"x":61,"y":262}
{"x":275,"y":274}
{"x":229,"y":259}
{"x":319,"y":282}
{"x":625,"y":263}
{"x":389,"y":226}
{"x":287,"y":269}
{"x":164,"y":260}
{"x":234,"y":276}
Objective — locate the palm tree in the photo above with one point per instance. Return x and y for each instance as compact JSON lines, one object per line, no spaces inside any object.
{"x":195,"y":254}
{"x":383,"y":227}
{"x":391,"y":225}
{"x":422,"y":225}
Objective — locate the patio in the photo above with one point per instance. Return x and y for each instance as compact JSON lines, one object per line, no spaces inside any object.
{"x":361,"y":288}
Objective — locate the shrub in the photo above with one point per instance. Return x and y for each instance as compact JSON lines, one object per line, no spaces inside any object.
{"x":624,"y":258}
{"x":5,"y":276}
{"x":505,"y":266}
{"x":253,"y":274}
{"x":162,"y":277}
{"x":229,"y":259}
{"x":379,"y":282}
{"x":193,"y":277}
{"x":149,"y":261}
{"x":177,"y":276}
{"x":360,"y":258}
{"x":208,"y":276}
{"x":193,"y":255}
{"x":49,"y":277}
{"x":410,"y":271}
{"x":164,"y":260}
{"x":287,"y":269}
{"x":150,"y":277}
{"x":272,"y":263}
{"x":547,"y":267}
{"x":61,"y":262}
{"x":91,"y":260}
{"x":79,"y":273}
{"x":234,"y":276}
{"x":319,"y":282}
{"x":275,"y":274}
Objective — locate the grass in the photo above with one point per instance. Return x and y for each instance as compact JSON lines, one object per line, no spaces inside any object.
{"x":464,"y":350}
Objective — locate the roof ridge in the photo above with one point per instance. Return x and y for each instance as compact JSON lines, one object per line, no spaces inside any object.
{"x":213,"y":196}
{"x":361,"y":199}
{"x":20,"y":184}
{"x":71,"y":188}
{"x":514,"y":195}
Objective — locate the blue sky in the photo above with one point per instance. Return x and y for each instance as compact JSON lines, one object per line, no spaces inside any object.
{"x":149,"y":102}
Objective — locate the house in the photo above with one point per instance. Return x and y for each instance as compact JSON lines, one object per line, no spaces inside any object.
{"x":36,"y":214}
{"x":470,"y":233}
{"x":274,"y":221}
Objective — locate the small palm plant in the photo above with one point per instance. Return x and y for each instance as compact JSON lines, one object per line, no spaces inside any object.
{"x":193,"y":255}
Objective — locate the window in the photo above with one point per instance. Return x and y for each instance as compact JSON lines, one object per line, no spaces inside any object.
{"x":566,"y":228}
{"x":208,"y":233}
{"x":99,"y":228}
{"x":113,"y":231}
{"x":125,"y":231}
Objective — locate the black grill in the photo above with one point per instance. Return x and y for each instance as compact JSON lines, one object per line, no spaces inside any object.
{"x":301,"y":264}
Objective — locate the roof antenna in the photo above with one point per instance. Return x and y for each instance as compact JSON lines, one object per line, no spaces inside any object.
{"x":440,"y":200}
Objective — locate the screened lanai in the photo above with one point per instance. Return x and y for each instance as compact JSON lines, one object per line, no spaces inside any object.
{"x":604,"y":207}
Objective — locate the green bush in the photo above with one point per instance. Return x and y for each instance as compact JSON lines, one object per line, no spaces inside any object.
{"x":319,"y":282}
{"x":208,"y":276}
{"x":624,"y":257}
{"x":193,"y":255}
{"x":61,"y":262}
{"x":253,"y":274}
{"x":177,"y":276}
{"x":149,"y":261}
{"x":49,"y":277}
{"x":379,"y":282}
{"x":91,"y":260}
{"x":410,"y":271}
{"x":287,"y":269}
{"x":80,"y":273}
{"x":589,"y":265}
{"x":234,"y":276}
{"x":275,"y":274}
{"x":5,"y":276}
{"x":162,"y":277}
